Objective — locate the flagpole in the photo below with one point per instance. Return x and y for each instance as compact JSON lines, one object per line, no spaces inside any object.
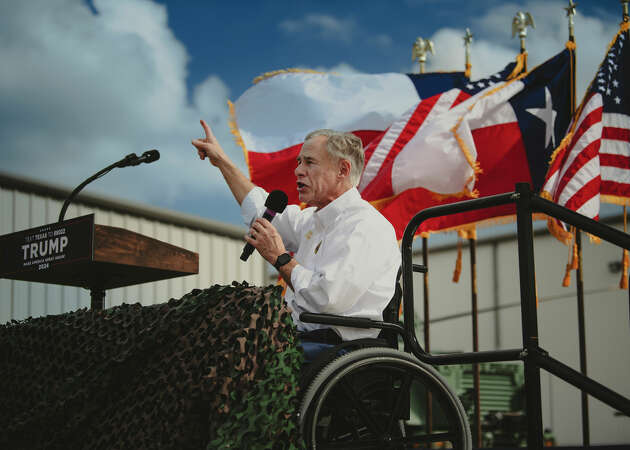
{"x":579,"y":282}
{"x":472,"y":245}
{"x":468,"y":38}
{"x":419,"y":53}
{"x":472,"y":242}
{"x":520,"y":22}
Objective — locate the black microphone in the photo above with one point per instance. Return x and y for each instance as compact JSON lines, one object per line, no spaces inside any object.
{"x":133,"y":160}
{"x":276,"y":202}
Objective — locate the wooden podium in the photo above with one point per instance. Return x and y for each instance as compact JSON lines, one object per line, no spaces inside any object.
{"x":77,"y":252}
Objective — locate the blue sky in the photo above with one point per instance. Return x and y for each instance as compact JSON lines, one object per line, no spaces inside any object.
{"x":84,"y":83}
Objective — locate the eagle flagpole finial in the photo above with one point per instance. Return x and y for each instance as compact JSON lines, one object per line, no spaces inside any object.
{"x":624,"y":4}
{"x":420,"y":49}
{"x":520,"y":22}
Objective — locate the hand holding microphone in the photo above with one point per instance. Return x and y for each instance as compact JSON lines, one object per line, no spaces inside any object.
{"x":275,"y":204}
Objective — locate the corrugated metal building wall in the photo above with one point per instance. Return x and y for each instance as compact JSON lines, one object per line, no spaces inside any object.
{"x":27,"y":203}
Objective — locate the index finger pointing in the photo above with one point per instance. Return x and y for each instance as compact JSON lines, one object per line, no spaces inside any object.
{"x":207,"y":129}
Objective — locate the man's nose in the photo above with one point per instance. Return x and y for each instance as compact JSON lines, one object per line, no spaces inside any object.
{"x":299,"y":170}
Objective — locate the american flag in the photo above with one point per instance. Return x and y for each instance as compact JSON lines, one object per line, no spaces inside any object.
{"x":593,"y":162}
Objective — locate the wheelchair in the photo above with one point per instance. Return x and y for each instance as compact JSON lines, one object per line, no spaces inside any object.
{"x":368,"y":394}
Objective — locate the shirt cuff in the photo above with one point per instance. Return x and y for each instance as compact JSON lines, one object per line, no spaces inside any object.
{"x":300,"y":278}
{"x":252,"y":204}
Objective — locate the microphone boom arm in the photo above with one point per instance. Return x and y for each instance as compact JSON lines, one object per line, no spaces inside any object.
{"x":126,"y":161}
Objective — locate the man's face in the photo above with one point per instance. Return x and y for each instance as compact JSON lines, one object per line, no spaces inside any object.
{"x":316,"y":173}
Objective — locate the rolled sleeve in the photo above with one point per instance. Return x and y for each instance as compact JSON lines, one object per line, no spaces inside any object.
{"x":253,"y":205}
{"x":301,"y":277}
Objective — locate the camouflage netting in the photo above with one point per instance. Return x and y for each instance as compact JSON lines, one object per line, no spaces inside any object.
{"x":215,"y":369}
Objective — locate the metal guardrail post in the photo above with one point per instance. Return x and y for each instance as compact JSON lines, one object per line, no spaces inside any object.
{"x":586,"y":431}
{"x":529,"y":314}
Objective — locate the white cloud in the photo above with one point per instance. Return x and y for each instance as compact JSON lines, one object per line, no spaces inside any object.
{"x":322,"y":25}
{"x":330,"y":28}
{"x":82,"y":90}
{"x":381,"y":40}
{"x":340,"y":68}
{"x":487,"y":57}
{"x":493,"y":46}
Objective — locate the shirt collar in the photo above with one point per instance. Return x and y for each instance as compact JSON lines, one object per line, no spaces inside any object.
{"x":329,"y":213}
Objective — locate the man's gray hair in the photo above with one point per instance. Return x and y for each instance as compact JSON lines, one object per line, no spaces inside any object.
{"x":342,"y":145}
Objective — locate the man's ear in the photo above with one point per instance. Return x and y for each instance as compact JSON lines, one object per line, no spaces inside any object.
{"x":344,"y":168}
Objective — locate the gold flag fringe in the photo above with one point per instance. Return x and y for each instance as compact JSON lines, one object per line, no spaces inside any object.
{"x":468,"y":70}
{"x":521,"y":63}
{"x":464,"y":148}
{"x":574,"y":256}
{"x":554,"y":226}
{"x":623,"y":283}
{"x":236,"y":134}
{"x":466,"y":193}
{"x":566,"y":281}
{"x":500,"y":220}
{"x":566,"y":140}
{"x":615,"y":200}
{"x":469,"y":232}
{"x":273,"y":73}
{"x":458,"y":262}
{"x":571,"y":262}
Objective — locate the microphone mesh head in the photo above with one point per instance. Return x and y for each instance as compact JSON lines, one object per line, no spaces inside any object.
{"x":151,"y":155}
{"x":277,"y":201}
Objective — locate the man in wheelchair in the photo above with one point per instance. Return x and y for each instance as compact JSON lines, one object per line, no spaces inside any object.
{"x":345,"y":262}
{"x":345,"y":252}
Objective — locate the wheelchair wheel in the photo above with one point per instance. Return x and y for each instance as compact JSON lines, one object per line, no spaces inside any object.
{"x":375,"y":398}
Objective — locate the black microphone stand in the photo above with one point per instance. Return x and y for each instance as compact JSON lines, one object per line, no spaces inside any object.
{"x":97,"y":295}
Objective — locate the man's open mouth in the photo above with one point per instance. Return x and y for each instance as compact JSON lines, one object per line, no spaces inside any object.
{"x":300,"y":185}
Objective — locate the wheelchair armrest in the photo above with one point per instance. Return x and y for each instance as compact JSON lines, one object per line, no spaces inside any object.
{"x":352,"y":322}
{"x":331,"y":319}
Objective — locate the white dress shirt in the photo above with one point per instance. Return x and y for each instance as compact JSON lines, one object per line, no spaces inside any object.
{"x":347,"y":256}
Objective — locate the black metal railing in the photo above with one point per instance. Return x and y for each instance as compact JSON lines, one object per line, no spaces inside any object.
{"x":532,"y":355}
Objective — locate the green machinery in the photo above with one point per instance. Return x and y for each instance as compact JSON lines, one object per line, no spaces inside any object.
{"x":502,"y":392}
